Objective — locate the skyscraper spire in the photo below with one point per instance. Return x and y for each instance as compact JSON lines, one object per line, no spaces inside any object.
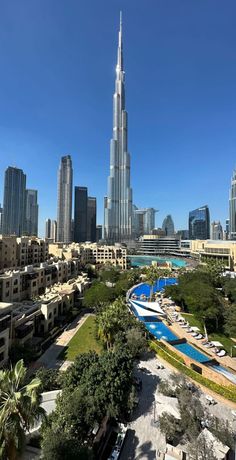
{"x":118,"y":203}
{"x":120,"y":48}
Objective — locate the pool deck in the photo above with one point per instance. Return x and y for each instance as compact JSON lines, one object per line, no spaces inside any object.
{"x":181,"y":332}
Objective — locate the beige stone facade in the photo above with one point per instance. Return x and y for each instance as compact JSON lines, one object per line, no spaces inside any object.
{"x":22,"y":321}
{"x":18,"y":252}
{"x":224,"y":251}
{"x":28,"y":283}
{"x":91,"y":253}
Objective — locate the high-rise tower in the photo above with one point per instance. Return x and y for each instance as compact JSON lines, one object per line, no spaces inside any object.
{"x":31,"y":212}
{"x":14,"y":202}
{"x":232,"y":208}
{"x":118,"y":203}
{"x":64,"y":200}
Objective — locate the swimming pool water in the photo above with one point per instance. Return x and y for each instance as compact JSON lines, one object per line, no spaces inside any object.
{"x":161,"y":331}
{"x":225,"y":372}
{"x":189,"y":350}
{"x":158,"y":286}
{"x":141,"y":261}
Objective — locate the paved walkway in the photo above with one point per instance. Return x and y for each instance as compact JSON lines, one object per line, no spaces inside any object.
{"x":50,"y":358}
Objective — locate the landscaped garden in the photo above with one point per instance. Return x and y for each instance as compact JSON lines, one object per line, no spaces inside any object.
{"x":84,"y":340}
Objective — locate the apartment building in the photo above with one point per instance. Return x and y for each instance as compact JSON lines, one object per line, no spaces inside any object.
{"x":92,"y":253}
{"x":32,"y":320}
{"x":8,"y":248}
{"x":19,"y":252}
{"x":30,"y":281}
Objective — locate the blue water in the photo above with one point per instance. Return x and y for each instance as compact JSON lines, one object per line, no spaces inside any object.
{"x":158,"y":286}
{"x":225,"y":372}
{"x":141,"y":261}
{"x":161,"y":331}
{"x":192,"y":352}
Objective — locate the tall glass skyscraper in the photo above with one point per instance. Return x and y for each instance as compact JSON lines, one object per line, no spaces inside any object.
{"x":232,"y":208}
{"x":91,"y":219}
{"x":118,"y":203}
{"x":80,"y":214}
{"x":64,"y":200}
{"x":14,"y":202}
{"x":31,"y":212}
{"x":168,"y":226}
{"x":199,"y":224}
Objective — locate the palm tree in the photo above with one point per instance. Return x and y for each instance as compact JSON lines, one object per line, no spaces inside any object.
{"x":19,"y":409}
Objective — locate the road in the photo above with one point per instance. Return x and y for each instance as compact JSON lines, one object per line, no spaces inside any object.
{"x":143,"y":436}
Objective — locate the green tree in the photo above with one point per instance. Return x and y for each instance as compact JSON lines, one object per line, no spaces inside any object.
{"x":230,"y":321}
{"x":19,"y":409}
{"x":135,"y":341}
{"x":50,"y":379}
{"x":58,"y":446}
{"x":170,"y":426}
{"x":111,"y":275}
{"x":98,"y":295}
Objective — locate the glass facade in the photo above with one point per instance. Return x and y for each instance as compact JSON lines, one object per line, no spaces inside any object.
{"x":80,"y":214}
{"x":199,"y":224}
{"x":232,"y":208}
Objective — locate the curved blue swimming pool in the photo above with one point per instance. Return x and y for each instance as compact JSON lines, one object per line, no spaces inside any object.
{"x":141,"y":261}
{"x":144,"y":289}
{"x":160,"y":331}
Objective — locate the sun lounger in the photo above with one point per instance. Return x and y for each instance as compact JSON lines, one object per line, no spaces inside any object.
{"x":199,"y":337}
{"x":221,"y":353}
{"x":194,"y":334}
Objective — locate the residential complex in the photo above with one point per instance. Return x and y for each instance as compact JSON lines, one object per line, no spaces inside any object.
{"x":32,"y":321}
{"x":92,"y":253}
{"x":118,"y":203}
{"x":64,"y":199}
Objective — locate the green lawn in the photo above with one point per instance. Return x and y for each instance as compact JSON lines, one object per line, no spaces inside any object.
{"x":226,"y":341}
{"x":83,"y":341}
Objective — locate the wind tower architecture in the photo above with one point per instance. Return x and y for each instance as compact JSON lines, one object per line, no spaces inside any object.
{"x":118,"y":203}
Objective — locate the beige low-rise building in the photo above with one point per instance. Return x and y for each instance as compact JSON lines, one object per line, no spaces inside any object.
{"x":224,"y":251}
{"x":8,"y":252}
{"x":20,"y":322}
{"x":91,"y":253}
{"x":28,"y":283}
{"x":22,"y":251}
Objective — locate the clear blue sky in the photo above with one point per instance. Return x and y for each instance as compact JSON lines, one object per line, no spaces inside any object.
{"x":57,"y":80}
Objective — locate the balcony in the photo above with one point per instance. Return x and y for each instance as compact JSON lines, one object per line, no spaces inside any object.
{"x":24,"y":330}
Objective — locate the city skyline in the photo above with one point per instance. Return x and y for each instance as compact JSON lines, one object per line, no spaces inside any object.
{"x":156,"y":47}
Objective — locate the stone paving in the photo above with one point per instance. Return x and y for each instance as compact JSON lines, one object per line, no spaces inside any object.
{"x":143,"y":436}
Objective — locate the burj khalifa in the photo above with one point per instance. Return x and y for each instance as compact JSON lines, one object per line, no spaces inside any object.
{"x":118,"y":202}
